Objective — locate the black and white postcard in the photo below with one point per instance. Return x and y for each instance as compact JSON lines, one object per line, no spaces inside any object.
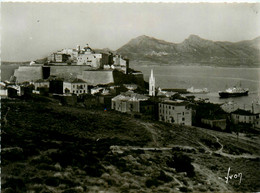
{"x":130,"y":97}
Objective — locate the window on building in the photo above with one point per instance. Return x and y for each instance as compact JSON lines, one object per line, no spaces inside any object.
{"x":183,"y":119}
{"x":182,"y":113}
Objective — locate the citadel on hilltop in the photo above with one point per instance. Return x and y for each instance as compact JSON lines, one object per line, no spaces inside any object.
{"x":83,"y":63}
{"x":87,"y":56}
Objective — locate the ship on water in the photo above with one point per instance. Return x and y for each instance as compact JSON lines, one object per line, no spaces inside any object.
{"x":235,"y":91}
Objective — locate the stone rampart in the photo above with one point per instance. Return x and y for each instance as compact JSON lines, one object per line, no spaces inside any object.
{"x":28,"y":73}
{"x":96,"y":77}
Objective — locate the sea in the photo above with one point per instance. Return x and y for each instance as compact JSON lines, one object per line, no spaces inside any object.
{"x":215,"y":79}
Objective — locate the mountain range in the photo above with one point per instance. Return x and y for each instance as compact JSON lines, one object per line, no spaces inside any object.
{"x":193,"y":50}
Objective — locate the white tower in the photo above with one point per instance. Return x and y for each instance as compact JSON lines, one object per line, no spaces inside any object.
{"x":152,"y":84}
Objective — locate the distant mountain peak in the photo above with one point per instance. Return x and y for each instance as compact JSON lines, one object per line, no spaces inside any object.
{"x":195,"y":38}
{"x":143,"y":37}
{"x":193,"y":49}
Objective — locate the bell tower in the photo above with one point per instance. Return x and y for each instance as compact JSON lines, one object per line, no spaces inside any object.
{"x":152,"y":84}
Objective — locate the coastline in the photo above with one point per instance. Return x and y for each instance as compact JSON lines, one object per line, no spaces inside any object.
{"x":141,"y":64}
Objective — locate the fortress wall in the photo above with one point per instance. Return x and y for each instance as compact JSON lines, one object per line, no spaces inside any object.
{"x":28,"y":73}
{"x":97,"y":77}
{"x":92,"y":77}
{"x":68,"y":70}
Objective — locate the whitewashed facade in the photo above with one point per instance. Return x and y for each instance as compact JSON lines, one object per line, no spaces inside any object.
{"x":175,"y":112}
{"x":76,"y":86}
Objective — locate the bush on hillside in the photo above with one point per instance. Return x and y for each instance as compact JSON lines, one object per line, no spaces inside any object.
{"x":182,"y":163}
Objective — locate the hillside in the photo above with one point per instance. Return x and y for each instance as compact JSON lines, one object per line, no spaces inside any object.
{"x":148,"y":50}
{"x":67,"y":149}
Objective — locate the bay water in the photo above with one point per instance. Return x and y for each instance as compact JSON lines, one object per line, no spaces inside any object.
{"x":182,"y":76}
{"x":214,"y":78}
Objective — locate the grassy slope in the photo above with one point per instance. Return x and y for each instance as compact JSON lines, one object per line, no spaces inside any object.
{"x":51,"y":148}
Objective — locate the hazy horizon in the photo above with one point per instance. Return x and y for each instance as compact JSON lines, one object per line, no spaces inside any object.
{"x":32,"y":31}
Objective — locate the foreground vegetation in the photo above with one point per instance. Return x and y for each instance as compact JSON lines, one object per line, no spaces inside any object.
{"x":47,"y":147}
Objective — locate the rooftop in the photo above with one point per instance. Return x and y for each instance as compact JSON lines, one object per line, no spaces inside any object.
{"x":175,"y":103}
{"x":76,"y":80}
{"x":131,"y":96}
{"x":242,"y":112}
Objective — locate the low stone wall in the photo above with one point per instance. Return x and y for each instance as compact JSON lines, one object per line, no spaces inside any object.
{"x":215,"y":123}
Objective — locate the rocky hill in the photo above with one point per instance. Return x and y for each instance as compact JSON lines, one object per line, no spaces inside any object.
{"x":145,"y":49}
{"x":63,"y":149}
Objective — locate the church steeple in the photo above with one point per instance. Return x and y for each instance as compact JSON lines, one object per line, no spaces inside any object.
{"x":152,"y":84}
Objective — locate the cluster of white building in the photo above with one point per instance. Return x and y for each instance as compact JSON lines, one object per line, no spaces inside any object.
{"x":89,"y":57}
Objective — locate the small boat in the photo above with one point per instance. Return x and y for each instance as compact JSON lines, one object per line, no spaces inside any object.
{"x":197,"y":90}
{"x":234,"y":92}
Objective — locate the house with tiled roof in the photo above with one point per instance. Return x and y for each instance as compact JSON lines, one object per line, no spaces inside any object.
{"x":128,"y":102}
{"x":243,"y":116}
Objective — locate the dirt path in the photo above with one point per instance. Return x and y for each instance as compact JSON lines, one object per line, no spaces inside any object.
{"x":4,"y":118}
{"x":156,"y":145}
{"x":212,"y":178}
{"x":220,"y":151}
{"x":149,"y":127}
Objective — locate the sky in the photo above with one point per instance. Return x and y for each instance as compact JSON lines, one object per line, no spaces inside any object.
{"x":31,"y":31}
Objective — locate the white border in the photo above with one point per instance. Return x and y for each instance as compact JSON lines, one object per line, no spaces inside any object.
{"x":134,"y":1}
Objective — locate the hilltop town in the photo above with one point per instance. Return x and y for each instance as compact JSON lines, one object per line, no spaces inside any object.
{"x":84,"y":121}
{"x":103,"y":79}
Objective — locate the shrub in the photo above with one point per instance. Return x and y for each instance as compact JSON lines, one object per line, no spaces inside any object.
{"x":12,"y":154}
{"x":94,"y":171}
{"x":184,"y":189}
{"x":182,"y":163}
{"x":16,"y":184}
{"x":163,"y":177}
{"x":152,"y":182}
{"x":211,"y":143}
{"x":44,"y":166}
{"x":52,"y":181}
